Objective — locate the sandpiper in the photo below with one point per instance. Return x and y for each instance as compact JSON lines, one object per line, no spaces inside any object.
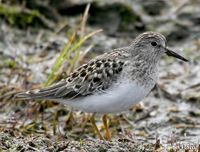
{"x":112,"y":82}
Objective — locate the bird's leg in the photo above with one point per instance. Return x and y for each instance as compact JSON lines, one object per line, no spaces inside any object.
{"x":107,"y":135}
{"x":92,"y":119}
{"x":84,"y":121}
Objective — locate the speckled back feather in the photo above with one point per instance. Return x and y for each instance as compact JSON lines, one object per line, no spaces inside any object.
{"x":94,"y":77}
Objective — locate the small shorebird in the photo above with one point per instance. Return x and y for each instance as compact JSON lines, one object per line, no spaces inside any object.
{"x":111,"y":82}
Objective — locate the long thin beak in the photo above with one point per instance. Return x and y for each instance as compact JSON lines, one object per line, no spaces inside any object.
{"x":174,"y":54}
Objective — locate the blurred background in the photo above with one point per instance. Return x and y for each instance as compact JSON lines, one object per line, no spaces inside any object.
{"x":41,"y":42}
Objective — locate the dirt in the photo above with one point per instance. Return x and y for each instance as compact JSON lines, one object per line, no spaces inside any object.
{"x":166,"y":119}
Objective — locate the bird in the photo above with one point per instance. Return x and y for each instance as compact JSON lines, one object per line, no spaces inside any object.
{"x":111,"y":82}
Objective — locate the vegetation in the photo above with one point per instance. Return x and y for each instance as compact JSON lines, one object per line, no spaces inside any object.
{"x":42,"y":42}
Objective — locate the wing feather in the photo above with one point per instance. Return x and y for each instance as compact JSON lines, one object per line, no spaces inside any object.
{"x":95,"y":76}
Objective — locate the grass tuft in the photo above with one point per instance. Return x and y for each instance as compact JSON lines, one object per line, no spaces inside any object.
{"x":72,"y":48}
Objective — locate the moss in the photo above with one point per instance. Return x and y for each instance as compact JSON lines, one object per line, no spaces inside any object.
{"x":10,"y":63}
{"x":20,"y":17}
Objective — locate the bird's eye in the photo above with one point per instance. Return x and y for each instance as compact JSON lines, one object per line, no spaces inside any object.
{"x":153,"y":43}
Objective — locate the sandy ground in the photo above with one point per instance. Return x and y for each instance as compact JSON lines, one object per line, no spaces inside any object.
{"x":166,"y":119}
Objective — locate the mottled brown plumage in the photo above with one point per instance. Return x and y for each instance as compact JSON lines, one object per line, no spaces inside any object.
{"x":95,"y":76}
{"x":135,"y":64}
{"x":111,"y":82}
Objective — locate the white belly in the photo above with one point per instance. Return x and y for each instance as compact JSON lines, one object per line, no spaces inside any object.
{"x":117,"y":99}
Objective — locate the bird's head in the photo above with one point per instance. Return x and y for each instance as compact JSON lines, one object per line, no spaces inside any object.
{"x":152,"y":45}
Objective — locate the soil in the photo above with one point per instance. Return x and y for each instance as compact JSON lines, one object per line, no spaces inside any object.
{"x":168,"y":119}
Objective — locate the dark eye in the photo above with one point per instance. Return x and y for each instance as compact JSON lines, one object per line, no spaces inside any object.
{"x":153,"y":43}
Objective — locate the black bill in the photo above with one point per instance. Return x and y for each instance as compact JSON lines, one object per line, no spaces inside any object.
{"x":174,"y":54}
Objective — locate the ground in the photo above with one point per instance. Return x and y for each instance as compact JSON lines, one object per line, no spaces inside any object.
{"x":167,"y":119}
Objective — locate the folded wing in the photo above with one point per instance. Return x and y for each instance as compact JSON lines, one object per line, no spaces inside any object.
{"x":93,"y":77}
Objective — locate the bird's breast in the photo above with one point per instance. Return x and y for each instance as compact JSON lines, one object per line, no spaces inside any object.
{"x":119,"y":97}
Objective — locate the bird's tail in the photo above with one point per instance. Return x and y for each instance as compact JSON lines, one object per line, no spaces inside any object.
{"x":33,"y":94}
{"x":27,"y":95}
{"x":40,"y":94}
